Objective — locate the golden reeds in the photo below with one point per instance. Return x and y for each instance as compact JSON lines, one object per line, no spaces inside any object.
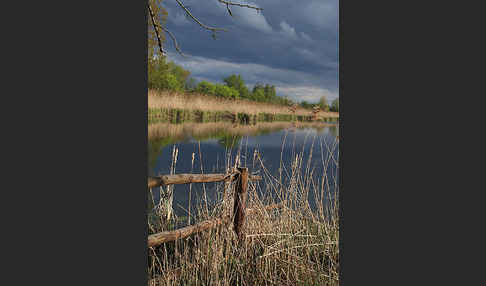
{"x":171,"y":100}
{"x":295,"y":245}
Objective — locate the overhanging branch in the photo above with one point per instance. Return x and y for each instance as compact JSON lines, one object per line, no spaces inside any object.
{"x":156,"y":30}
{"x":212,"y":29}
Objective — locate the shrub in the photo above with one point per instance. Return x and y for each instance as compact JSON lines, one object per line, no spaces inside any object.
{"x":226,"y":92}
{"x":335,"y":105}
{"x":238,"y":84}
{"x":164,"y":81}
{"x":206,"y":88}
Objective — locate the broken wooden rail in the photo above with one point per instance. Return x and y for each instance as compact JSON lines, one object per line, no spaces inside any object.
{"x":239,"y":208}
{"x":193,"y":178}
{"x":166,"y":236}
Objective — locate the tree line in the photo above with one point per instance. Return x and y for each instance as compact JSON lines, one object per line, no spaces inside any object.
{"x":166,"y":75}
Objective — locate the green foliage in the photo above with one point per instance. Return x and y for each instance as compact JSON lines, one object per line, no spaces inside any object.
{"x":236,"y":82}
{"x":190,"y":84}
{"x":168,"y":76}
{"x":226,"y":92}
{"x":306,"y":104}
{"x":265,"y":93}
{"x":258,"y":94}
{"x":165,"y":81}
{"x":206,"y":88}
{"x":335,"y":105}
{"x":270,"y":93}
{"x":284,"y":101}
{"x":218,"y":90}
{"x":180,"y":73}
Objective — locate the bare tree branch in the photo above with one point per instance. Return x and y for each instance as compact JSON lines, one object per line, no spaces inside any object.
{"x":156,"y":30}
{"x":213,"y":29}
{"x":229,"y":10}
{"x":239,"y":5}
{"x":174,"y":40}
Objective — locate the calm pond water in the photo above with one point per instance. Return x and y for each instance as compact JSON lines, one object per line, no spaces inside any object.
{"x":211,"y":147}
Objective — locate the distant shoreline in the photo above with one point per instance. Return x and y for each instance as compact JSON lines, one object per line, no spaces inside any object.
{"x":165,"y":100}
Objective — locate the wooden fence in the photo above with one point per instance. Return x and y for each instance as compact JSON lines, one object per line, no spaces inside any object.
{"x":240,"y":175}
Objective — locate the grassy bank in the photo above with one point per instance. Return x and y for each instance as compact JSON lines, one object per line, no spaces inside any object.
{"x":295,"y":245}
{"x":169,"y":106}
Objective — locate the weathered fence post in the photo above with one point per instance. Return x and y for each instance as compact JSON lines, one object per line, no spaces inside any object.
{"x":240,"y":201}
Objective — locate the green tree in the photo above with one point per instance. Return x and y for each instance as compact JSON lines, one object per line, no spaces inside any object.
{"x":205,"y":87}
{"x":335,"y":105}
{"x":226,"y":92}
{"x":258,"y":92}
{"x":270,"y":93}
{"x":166,"y":81}
{"x":236,"y":82}
{"x":190,"y":84}
{"x":179,"y":72}
{"x":163,"y":75}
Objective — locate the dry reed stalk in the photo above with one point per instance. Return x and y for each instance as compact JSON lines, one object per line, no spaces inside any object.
{"x":172,"y":100}
{"x":281,"y":248}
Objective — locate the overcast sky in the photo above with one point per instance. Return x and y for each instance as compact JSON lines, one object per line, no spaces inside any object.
{"x":290,"y":44}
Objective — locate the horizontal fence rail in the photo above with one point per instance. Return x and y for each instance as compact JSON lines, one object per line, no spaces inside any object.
{"x":240,"y":175}
{"x":166,"y":236}
{"x":193,"y":178}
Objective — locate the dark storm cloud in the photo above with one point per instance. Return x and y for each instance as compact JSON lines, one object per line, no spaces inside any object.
{"x":291,"y":44}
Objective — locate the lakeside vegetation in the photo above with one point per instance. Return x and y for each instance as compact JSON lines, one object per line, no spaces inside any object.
{"x":166,"y":77}
{"x":287,"y":246}
{"x":166,"y":106}
{"x":297,"y":244}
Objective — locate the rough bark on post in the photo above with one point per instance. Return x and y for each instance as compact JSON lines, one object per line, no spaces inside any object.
{"x":240,"y":201}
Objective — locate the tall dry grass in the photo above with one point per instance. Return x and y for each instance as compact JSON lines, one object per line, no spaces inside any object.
{"x":172,"y":100}
{"x":296,"y":245}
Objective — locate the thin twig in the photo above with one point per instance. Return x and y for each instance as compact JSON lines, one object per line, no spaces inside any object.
{"x":174,"y":40}
{"x":240,"y":5}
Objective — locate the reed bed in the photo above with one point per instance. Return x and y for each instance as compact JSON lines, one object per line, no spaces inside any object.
{"x":171,"y":100}
{"x":295,"y":245}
